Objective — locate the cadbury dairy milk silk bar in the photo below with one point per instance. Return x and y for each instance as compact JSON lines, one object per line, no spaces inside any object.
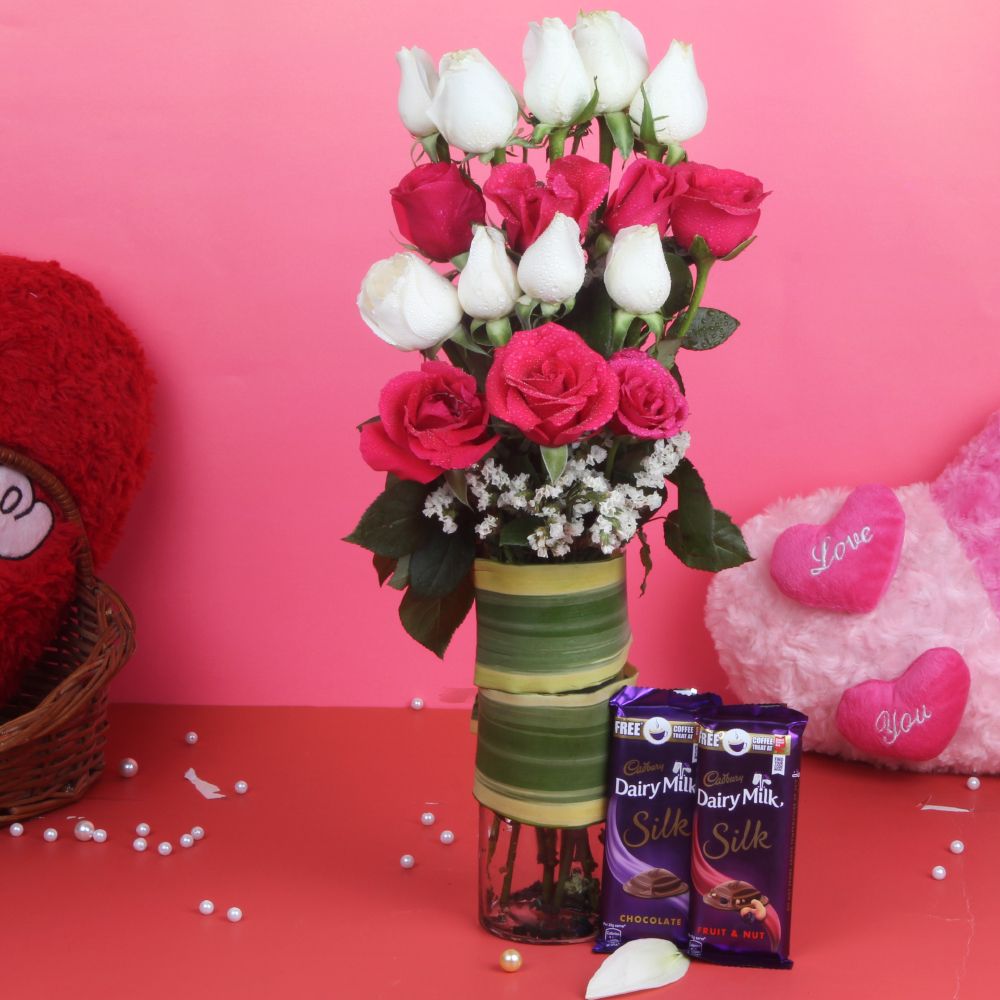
{"x":743,"y":843}
{"x":647,"y":839}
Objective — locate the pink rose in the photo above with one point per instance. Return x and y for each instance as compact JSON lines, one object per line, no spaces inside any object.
{"x":650,"y":404}
{"x":435,"y":206}
{"x":431,"y":420}
{"x":720,"y":206}
{"x":550,"y":385}
{"x":574,"y":186}
{"x":644,"y":196}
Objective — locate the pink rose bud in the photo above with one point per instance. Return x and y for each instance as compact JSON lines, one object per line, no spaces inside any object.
{"x":651,"y":404}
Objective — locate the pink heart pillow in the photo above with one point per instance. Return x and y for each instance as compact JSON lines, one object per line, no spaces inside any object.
{"x":848,"y":563}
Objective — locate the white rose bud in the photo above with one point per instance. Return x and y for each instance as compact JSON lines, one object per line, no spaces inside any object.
{"x":613,"y":51}
{"x":553,"y":267}
{"x":636,"y":274}
{"x":408,"y":304}
{"x":417,"y":81}
{"x":556,"y":86}
{"x":473,"y":107}
{"x":487,"y":286}
{"x":676,"y":96}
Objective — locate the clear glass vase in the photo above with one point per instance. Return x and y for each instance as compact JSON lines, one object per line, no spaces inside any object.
{"x":538,"y":884}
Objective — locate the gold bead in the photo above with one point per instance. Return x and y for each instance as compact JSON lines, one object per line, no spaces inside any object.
{"x":510,"y":960}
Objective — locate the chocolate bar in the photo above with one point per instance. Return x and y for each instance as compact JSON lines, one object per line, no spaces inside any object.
{"x":645,"y":891}
{"x":743,"y":834}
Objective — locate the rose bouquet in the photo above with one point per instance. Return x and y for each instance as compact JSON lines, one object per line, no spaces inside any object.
{"x":548,"y":414}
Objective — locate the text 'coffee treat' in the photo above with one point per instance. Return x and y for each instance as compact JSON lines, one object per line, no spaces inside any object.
{"x":743,"y":841}
{"x":647,"y":851}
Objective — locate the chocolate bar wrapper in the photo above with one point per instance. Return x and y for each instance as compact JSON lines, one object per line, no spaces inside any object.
{"x":647,"y":838}
{"x":743,"y":844}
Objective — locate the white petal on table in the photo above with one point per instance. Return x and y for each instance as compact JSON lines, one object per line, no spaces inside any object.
{"x":206,"y":788}
{"x":639,"y":965}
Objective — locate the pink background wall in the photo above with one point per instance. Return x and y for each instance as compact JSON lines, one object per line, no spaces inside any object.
{"x":220,"y":170}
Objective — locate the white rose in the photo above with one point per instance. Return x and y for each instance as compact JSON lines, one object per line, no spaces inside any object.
{"x":417,"y":81}
{"x":473,"y":107}
{"x":553,"y":267}
{"x":487,"y":286}
{"x":408,"y":304}
{"x":636,"y":274}
{"x":613,"y":51}
{"x":556,"y":86}
{"x":676,"y":97}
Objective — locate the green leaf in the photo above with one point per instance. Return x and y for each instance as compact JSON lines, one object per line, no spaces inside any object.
{"x":384,"y":566}
{"x":708,"y":329}
{"x":592,"y":317}
{"x":698,"y":534}
{"x":555,"y":460}
{"x":515,"y":533}
{"x":440,"y":565}
{"x":432,"y":621}
{"x":621,"y":132}
{"x":401,"y":578}
{"x":646,"y":558}
{"x":665,"y":351}
{"x":455,"y":478}
{"x":681,"y":284}
{"x":394,"y":525}
{"x":737,"y":250}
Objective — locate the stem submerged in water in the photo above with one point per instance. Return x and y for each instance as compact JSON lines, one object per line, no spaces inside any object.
{"x":508,"y":875}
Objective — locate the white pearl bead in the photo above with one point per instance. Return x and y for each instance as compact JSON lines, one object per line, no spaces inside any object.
{"x":241,"y":787}
{"x":16,"y":829}
{"x":198,"y":832}
{"x":447,"y":837}
{"x":427,"y":818}
{"x":191,"y":738}
{"x":407,"y":861}
{"x":956,"y":847}
{"x":83,"y":830}
{"x":234,"y":914}
{"x":140,"y":844}
{"x":165,"y":847}
{"x":973,"y":784}
{"x":128,"y":767}
{"x":938,"y":872}
{"x":100,"y":836}
{"x":416,"y":704}
{"x":142,"y":829}
{"x":206,"y":907}
{"x":51,"y":835}
{"x":187,"y":840}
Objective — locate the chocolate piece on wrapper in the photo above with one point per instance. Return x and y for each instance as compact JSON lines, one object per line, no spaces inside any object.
{"x":645,"y":890}
{"x":743,"y":844}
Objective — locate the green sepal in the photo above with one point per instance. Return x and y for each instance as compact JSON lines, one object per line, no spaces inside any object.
{"x":394,"y":525}
{"x":699,"y":535}
{"x":675,"y":154}
{"x":524,"y":307}
{"x":587,"y":113}
{"x":698,"y":251}
{"x":555,"y":460}
{"x":440,"y":565}
{"x":515,"y":533}
{"x":550,"y":309}
{"x":455,"y":478}
{"x":384,"y":566}
{"x":499,"y":331}
{"x":602,"y":245}
{"x":458,"y":262}
{"x":401,"y":578}
{"x":621,"y":323}
{"x":432,"y":621}
{"x":681,"y":284}
{"x":647,"y":124}
{"x":541,"y":132}
{"x":655,"y":323}
{"x":737,"y":250}
{"x":620,"y":128}
{"x":436,"y":147}
{"x":708,"y":329}
{"x":370,"y":420}
{"x":462,"y":338}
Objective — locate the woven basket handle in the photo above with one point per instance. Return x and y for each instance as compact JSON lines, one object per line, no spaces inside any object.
{"x":60,"y":496}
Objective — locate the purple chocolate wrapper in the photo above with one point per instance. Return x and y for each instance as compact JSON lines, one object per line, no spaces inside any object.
{"x":651,"y":797}
{"x":743,"y":848}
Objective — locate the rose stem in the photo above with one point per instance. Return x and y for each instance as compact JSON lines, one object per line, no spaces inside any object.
{"x":557,"y":142}
{"x":565,"y":863}
{"x":494,"y":836}
{"x":547,"y":857}
{"x":508,"y":876}
{"x":702,"y":266}
{"x":607,"y":142}
{"x":589,"y":865}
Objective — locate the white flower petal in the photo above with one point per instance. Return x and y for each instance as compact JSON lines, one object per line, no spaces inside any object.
{"x":552,"y":269}
{"x":676,"y":96}
{"x":556,"y":85}
{"x":636,"y":276}
{"x":418,"y":79}
{"x":642,"y":964}
{"x":613,"y":51}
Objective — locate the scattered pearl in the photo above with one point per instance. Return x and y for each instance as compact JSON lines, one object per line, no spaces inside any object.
{"x":206,"y":907}
{"x":84,"y":830}
{"x":191,"y":738}
{"x":973,"y":784}
{"x":416,"y":704}
{"x":427,"y":818}
{"x":510,"y":960}
{"x":938,"y":872}
{"x":240,"y":787}
{"x":447,"y":837}
{"x":956,"y":847}
{"x":142,"y":829}
{"x":128,"y":767}
{"x":16,"y":829}
{"x":407,"y":861}
{"x":100,"y":836}
{"x":139,"y":844}
{"x":187,"y":840}
{"x":165,"y":847}
{"x":51,"y":835}
{"x":234,"y":914}
{"x":198,"y":832}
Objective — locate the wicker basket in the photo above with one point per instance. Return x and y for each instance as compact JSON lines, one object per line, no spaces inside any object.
{"x":53,"y":732}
